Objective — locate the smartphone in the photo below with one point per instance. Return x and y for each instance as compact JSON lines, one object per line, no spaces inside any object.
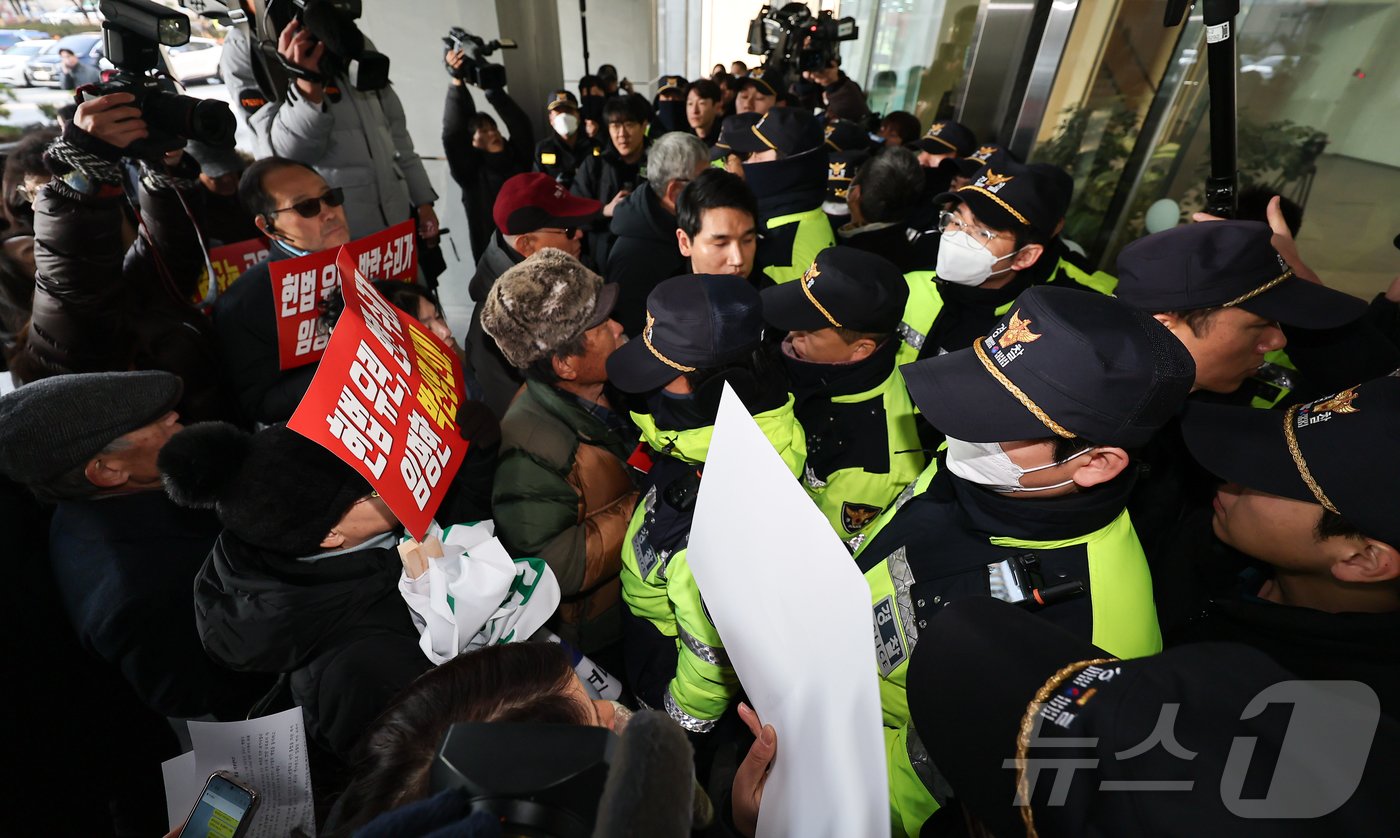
{"x":224,"y":810}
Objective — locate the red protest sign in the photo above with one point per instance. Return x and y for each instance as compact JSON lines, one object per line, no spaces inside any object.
{"x":384,"y":400}
{"x":299,"y":285}
{"x":229,"y":261}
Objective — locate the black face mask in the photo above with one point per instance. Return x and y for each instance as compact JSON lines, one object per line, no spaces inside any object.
{"x":591,"y":107}
{"x":672,"y":116}
{"x":937,"y":181}
{"x":677,"y":412}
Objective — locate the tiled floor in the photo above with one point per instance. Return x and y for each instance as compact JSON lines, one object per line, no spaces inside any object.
{"x":1349,"y":224}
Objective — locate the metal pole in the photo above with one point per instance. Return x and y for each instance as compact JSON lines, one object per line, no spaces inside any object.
{"x":583,"y":25}
{"x":1222,"y":185}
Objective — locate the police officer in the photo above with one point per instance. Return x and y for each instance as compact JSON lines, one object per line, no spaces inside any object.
{"x":1029,"y":501}
{"x":560,"y":154}
{"x":996,"y":240}
{"x":785,"y":164}
{"x":862,"y":442}
{"x":669,"y":105}
{"x":1225,"y":291}
{"x":702,"y":332}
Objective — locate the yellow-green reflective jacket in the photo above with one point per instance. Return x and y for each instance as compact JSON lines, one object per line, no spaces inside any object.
{"x":811,"y":234}
{"x":657,"y":584}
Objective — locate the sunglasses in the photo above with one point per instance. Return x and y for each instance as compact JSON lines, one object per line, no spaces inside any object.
{"x":568,"y":232}
{"x":311,"y":207}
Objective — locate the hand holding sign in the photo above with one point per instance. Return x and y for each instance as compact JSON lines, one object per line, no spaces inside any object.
{"x":385,"y":400}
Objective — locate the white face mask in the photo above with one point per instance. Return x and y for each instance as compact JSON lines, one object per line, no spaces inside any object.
{"x":962,"y":262}
{"x":986,"y":464}
{"x":564,"y":124}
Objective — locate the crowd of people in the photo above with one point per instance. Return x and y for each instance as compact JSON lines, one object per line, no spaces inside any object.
{"x":1178,"y":473}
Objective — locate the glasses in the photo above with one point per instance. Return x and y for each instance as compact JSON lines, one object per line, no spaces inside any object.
{"x":566,"y":232}
{"x":370,"y":496}
{"x":311,"y":207}
{"x":629,"y":124}
{"x":981,"y":236}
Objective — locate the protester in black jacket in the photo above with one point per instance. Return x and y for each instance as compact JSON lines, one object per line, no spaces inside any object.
{"x":245,"y":315}
{"x":611,"y":176}
{"x":480,"y":159}
{"x":645,"y":252}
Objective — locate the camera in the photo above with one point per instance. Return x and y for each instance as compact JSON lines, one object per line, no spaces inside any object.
{"x":133,"y":32}
{"x":476,"y":69}
{"x":793,"y":40}
{"x":332,"y":22}
{"x":503,"y":770}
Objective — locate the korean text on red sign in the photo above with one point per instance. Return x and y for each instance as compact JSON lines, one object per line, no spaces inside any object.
{"x":299,"y":285}
{"x":385,"y":400}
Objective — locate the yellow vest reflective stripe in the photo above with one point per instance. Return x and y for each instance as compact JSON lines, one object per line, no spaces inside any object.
{"x":863,"y":490}
{"x":814,"y":234}
{"x":1100,"y":281}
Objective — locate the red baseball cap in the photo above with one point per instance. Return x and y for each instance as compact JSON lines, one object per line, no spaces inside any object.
{"x":534,"y":200}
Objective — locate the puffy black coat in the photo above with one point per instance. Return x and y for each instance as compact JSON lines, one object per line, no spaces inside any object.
{"x":480,"y":173}
{"x":338,"y":626}
{"x":644,"y":253}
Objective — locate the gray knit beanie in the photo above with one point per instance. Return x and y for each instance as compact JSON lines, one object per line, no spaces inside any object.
{"x":544,"y":303}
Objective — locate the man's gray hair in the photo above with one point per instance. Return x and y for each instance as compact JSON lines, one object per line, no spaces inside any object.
{"x":889,"y":185}
{"x":675,"y":156}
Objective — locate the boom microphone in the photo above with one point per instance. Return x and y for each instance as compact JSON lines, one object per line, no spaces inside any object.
{"x":651,"y":783}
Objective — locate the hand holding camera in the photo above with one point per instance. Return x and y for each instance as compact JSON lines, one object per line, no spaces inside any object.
{"x":301,"y":50}
{"x":112,"y":119}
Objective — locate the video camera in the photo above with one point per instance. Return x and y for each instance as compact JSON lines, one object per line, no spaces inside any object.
{"x":132,"y":33}
{"x":476,"y":69}
{"x":793,"y":40}
{"x":332,"y":22}
{"x":538,"y":779}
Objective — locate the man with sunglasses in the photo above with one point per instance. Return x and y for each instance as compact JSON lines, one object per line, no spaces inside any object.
{"x":300,"y":214}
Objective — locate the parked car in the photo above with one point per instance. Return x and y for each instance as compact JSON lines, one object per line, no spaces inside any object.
{"x":14,"y":60}
{"x":197,"y":60}
{"x":10,"y":37}
{"x":43,"y":70}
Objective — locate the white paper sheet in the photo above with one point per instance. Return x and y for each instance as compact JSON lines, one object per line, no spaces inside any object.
{"x":182,"y":787}
{"x":794,"y":613}
{"x":269,"y":754}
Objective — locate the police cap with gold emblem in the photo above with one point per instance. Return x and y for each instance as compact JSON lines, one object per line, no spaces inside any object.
{"x":948,"y":137}
{"x":789,"y":131}
{"x":1341,"y":452}
{"x":1063,"y":363}
{"x":694,"y":322}
{"x":1223,"y":264}
{"x":561,"y":99}
{"x":844,"y":288}
{"x":1010,"y":196}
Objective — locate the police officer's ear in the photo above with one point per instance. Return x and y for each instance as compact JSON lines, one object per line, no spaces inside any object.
{"x":1029,"y":255}
{"x":683,"y":242}
{"x":1362,"y":560}
{"x":1100,"y":466}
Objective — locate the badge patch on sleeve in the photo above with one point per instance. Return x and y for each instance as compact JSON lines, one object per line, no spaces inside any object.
{"x":889,"y":645}
{"x":251,"y":99}
{"x":854,"y":516}
{"x":547,"y":158}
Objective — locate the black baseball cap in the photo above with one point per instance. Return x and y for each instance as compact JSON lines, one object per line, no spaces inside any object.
{"x":667,"y":84}
{"x":694,"y":322}
{"x":1061,"y":362}
{"x":791,"y":131}
{"x":845,"y":288}
{"x":1009,"y":196}
{"x":755,"y":79}
{"x":1004,"y":657}
{"x":990,"y":153}
{"x":561,"y":99}
{"x":1342,"y":452}
{"x":1226,"y":264}
{"x":740,"y":124}
{"x":948,"y":137}
{"x":845,"y":135}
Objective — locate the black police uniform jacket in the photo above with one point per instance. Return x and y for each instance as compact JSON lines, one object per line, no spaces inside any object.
{"x":556,"y":158}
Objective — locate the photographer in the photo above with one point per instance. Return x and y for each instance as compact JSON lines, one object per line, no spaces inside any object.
{"x":98,"y":304}
{"x":479,"y":158}
{"x":844,"y":99}
{"x":358,"y":140}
